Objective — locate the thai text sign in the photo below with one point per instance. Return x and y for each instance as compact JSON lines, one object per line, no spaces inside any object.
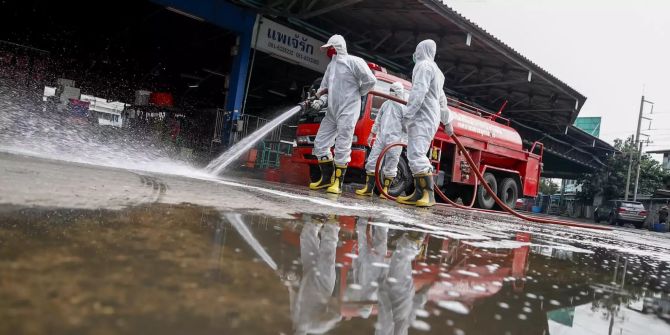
{"x":289,"y":45}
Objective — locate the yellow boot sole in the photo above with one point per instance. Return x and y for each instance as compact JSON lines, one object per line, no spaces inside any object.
{"x":405,"y":200}
{"x":334,"y":189}
{"x":364,"y":192}
{"x":421,"y":203}
{"x":315,"y":186}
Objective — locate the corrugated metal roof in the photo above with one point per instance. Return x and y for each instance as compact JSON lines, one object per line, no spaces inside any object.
{"x":483,"y":31}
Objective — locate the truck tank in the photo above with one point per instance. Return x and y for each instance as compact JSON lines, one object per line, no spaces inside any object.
{"x":484,"y":129}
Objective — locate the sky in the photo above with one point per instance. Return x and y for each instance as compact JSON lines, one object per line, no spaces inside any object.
{"x":611,"y":51}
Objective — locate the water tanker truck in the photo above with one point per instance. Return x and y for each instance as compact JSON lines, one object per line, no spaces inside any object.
{"x":511,"y":170}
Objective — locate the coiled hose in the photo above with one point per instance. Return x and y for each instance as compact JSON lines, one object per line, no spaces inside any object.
{"x":488,"y":189}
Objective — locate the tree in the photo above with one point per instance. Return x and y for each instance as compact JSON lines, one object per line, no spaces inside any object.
{"x":611,"y":181}
{"x":548,"y":187}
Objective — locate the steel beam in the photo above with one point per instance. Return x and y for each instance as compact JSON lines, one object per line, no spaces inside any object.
{"x":402,"y":44}
{"x":467,"y":76}
{"x":499,"y":83}
{"x":449,"y":70}
{"x":311,"y":5}
{"x":328,"y":8}
{"x":381,"y":41}
{"x":538,"y":110}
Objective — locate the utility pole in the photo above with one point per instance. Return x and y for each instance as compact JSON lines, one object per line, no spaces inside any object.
{"x":637,"y":144}
{"x":637,"y":176}
{"x":639,"y":156}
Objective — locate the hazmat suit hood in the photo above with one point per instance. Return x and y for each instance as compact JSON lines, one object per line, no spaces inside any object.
{"x":425,"y":50}
{"x":397,"y":90}
{"x":340,"y":45}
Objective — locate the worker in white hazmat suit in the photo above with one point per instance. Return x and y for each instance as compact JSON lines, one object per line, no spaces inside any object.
{"x":426,"y":106}
{"x":313,"y":308}
{"x":369,"y":268}
{"x":398,"y":300}
{"x":389,"y":129}
{"x":347,"y":78}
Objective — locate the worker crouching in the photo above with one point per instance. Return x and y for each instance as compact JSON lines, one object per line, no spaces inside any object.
{"x":425,"y":108}
{"x":347,"y":78}
{"x":388,"y":129}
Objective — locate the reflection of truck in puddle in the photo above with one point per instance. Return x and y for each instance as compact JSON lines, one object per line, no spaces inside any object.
{"x":510,"y":169}
{"x":371,"y":262}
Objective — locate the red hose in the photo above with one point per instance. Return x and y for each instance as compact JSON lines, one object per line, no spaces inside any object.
{"x":381,"y":189}
{"x":480,"y":177}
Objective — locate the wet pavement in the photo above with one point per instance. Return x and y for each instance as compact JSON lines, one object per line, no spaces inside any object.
{"x":92,"y":250}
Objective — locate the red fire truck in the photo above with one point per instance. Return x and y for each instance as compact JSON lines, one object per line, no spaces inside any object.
{"x":512,"y":171}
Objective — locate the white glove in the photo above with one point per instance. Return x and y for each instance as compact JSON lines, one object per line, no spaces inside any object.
{"x":370,"y":139}
{"x":449,"y":129}
{"x":317,"y":104}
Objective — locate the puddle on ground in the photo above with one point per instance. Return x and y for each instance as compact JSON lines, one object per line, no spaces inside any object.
{"x":193,"y":270}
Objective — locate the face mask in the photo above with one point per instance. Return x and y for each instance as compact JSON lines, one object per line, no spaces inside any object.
{"x":330,"y":52}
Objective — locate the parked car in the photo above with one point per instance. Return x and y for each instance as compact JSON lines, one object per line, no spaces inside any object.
{"x":621,"y":211}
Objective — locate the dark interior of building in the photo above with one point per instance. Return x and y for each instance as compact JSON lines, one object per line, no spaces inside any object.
{"x":115,"y":48}
{"x":119,"y":47}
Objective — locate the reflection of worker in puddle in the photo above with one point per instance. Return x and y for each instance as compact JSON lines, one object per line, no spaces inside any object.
{"x":369,"y":267}
{"x":313,"y":309}
{"x":398,"y":301}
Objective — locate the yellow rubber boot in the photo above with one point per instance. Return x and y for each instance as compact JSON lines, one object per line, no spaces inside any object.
{"x":337,"y":179}
{"x":427,"y":185}
{"x":423,"y":195}
{"x":326,"y":167}
{"x":387,"y":184}
{"x":369,"y":185}
{"x":412,"y":198}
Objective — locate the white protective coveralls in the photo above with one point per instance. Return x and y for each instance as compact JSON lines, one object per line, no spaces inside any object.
{"x":347,"y":78}
{"x":389,"y":129}
{"x":398,"y":300}
{"x":369,"y":270}
{"x":312,"y":307}
{"x":426,"y":107}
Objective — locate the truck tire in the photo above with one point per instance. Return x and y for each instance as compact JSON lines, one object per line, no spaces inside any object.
{"x":508,"y":191}
{"x":403,"y":182}
{"x":484,"y":200}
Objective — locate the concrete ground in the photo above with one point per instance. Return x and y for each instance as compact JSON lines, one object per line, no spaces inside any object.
{"x":35,"y":182}
{"x":87,"y":249}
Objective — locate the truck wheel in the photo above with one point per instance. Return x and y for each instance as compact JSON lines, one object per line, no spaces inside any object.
{"x":508,"y":192}
{"x":403,"y":180}
{"x":484,"y":200}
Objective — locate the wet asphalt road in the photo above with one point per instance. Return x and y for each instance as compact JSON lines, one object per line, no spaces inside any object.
{"x":93,"y":250}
